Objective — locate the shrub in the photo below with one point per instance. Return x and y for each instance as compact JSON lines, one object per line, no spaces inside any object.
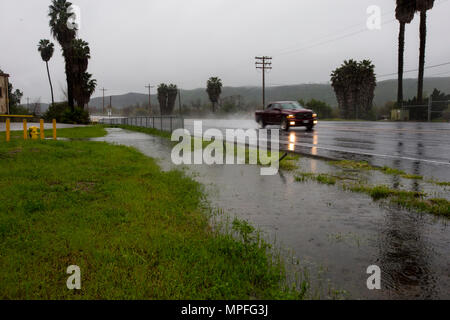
{"x":78,"y":116}
{"x":62,"y":113}
{"x":323,"y":110}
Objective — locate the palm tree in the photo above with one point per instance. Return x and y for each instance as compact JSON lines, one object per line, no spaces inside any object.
{"x":214,"y":90}
{"x":162,"y":97}
{"x":60,"y":14}
{"x":404,"y":13}
{"x":172,"y":94}
{"x":46,"y":48}
{"x":354,"y":84}
{"x":80,"y":60}
{"x":88,"y":88}
{"x":422,"y":6}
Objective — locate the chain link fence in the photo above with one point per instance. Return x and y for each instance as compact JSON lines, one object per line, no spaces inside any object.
{"x":163,"y":123}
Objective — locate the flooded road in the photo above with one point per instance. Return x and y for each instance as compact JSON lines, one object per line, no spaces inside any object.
{"x":335,"y":234}
{"x":416,"y":148}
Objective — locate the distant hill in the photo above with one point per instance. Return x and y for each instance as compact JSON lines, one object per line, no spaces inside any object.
{"x":385,"y":91}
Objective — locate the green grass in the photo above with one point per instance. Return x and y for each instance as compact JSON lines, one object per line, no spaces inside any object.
{"x":136,"y":232}
{"x":440,"y":183}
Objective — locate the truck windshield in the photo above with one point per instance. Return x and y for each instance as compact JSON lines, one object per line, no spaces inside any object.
{"x":291,"y":106}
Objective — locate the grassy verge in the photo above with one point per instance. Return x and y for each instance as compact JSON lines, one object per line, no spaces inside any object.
{"x":135,"y":231}
{"x":154,"y":132}
{"x":72,"y":133}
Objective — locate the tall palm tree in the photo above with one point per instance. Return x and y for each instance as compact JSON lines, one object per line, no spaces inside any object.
{"x":60,"y":14}
{"x":46,"y":48}
{"x":422,"y":6}
{"x":80,"y":60}
{"x":214,"y":90}
{"x":404,"y":13}
{"x":172,"y":94}
{"x":163,"y":94}
{"x":354,"y":84}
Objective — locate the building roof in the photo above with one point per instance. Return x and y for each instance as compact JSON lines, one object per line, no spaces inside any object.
{"x":4,"y":74}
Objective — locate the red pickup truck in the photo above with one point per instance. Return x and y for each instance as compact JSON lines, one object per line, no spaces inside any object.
{"x":287,"y":114}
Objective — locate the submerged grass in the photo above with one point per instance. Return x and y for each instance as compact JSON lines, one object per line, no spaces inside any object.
{"x":410,"y":200}
{"x":364,"y":165}
{"x":320,"y":178}
{"x":136,"y":232}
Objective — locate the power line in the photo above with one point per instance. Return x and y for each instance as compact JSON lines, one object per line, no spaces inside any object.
{"x":264,"y":63}
{"x":284,"y":52}
{"x":412,"y":70}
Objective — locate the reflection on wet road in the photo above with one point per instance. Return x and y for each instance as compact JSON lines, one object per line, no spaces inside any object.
{"x":328,"y":229}
{"x":416,"y":148}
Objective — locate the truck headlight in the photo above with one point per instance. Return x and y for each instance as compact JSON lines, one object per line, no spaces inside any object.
{"x":314,"y":115}
{"x":291,"y":116}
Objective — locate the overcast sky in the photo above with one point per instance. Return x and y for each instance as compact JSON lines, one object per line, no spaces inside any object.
{"x":137,"y":42}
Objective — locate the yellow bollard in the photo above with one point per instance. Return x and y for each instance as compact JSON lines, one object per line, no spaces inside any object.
{"x":54,"y":129}
{"x":42,"y":130}
{"x":8,"y":130}
{"x":25,"y":131}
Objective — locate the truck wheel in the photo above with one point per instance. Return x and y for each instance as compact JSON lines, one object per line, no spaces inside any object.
{"x":309,"y":128}
{"x":284,"y":125}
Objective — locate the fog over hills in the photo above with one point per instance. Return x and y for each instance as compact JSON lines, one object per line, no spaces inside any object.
{"x":385,"y":91}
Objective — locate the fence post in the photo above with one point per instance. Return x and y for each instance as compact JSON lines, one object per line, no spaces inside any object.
{"x":171,"y":124}
{"x":42,"y":129}
{"x":162,"y":123}
{"x":8,"y":129}
{"x":430,"y":103}
{"x":25,"y":135}
{"x":54,"y":129}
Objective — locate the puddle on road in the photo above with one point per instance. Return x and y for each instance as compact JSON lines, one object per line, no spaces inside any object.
{"x":335,"y":234}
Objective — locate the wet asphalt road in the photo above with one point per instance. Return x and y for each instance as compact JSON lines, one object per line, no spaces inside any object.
{"x":416,"y":148}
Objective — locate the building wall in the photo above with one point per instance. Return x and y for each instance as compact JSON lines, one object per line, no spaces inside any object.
{"x":3,"y":95}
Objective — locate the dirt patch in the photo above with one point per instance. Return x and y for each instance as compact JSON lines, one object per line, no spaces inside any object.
{"x":86,"y":186}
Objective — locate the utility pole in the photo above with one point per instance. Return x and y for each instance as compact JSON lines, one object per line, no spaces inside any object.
{"x":149,"y":87}
{"x":104,"y":99}
{"x":264,"y":63}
